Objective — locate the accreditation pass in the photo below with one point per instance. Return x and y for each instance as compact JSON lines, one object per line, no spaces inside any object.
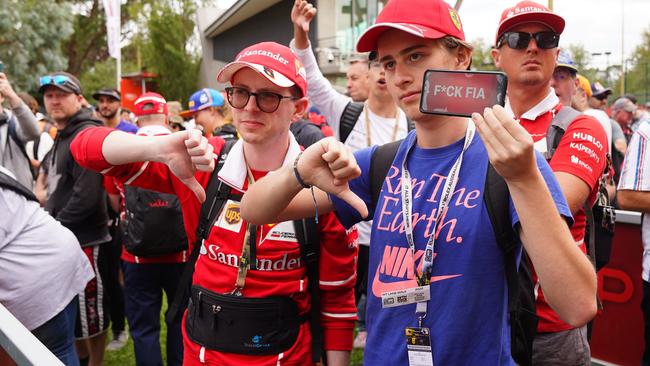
{"x":406,"y":296}
{"x":418,"y":346}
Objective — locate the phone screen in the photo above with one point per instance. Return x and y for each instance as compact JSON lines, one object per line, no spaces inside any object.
{"x":461,"y":93}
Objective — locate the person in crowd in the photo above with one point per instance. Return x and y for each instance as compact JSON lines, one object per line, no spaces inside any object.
{"x":377,"y":121}
{"x":42,"y":268}
{"x":599,"y":95}
{"x":268,"y":91}
{"x":634,"y":194}
{"x":207,"y":107}
{"x":147,"y":275}
{"x":108,"y":110}
{"x":76,"y":198}
{"x":527,"y":51}
{"x":640,"y":114}
{"x":126,"y":115}
{"x":176,"y":123}
{"x":38,"y":148}
{"x":18,"y":125}
{"x":175,"y":108}
{"x":357,"y":78}
{"x":623,"y":111}
{"x":108,"y":106}
{"x":458,"y":262}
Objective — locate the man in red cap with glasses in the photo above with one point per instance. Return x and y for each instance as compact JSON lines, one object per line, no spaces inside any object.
{"x":437,"y":277}
{"x":252,"y":291}
{"x":527,"y":51}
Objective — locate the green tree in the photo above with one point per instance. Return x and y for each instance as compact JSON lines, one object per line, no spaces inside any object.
{"x":481,"y":57}
{"x":31,"y":37}
{"x":168,"y":51}
{"x":637,"y":77}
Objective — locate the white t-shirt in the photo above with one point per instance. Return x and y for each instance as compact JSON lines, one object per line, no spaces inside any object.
{"x":603,"y":119}
{"x":331,"y":105}
{"x":635,"y":176}
{"x":42,"y":267}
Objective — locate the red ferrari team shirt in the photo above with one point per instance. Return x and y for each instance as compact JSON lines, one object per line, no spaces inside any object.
{"x":581,"y":153}
{"x":280,"y":268}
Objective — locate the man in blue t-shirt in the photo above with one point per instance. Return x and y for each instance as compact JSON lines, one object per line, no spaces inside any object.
{"x":452,"y":289}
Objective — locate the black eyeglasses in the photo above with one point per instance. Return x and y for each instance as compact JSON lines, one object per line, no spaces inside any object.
{"x":267,"y":102}
{"x":520,"y":40}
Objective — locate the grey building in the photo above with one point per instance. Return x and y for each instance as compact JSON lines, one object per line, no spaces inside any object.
{"x":338,"y":24}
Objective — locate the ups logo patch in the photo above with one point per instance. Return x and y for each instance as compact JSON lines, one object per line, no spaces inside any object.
{"x":233,"y":214}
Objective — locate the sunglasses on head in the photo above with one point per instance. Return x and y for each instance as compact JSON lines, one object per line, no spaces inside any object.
{"x":57,"y":80}
{"x":267,"y":102}
{"x":520,"y":40}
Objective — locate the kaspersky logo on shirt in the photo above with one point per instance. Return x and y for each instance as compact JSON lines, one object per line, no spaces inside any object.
{"x":397,"y":263}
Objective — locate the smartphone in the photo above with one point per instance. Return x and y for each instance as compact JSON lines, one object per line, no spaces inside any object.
{"x":461,"y":93}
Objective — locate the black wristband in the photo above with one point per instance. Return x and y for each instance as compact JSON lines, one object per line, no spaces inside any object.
{"x":297,"y":175}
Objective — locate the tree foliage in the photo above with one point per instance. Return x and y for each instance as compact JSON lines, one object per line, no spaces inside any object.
{"x":637,"y":78}
{"x":167,"y":48}
{"x":481,"y":57}
{"x":31,"y":35}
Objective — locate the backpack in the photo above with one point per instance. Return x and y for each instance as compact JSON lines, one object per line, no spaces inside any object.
{"x":521,"y":295}
{"x":8,"y":182}
{"x":601,"y":217}
{"x":153,"y":223}
{"x":350,"y":116}
{"x":217,"y":194}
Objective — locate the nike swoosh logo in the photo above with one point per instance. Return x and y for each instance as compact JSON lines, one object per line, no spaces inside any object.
{"x":379,"y":287}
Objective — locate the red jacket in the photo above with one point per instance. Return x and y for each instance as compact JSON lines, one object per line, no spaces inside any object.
{"x":280,"y":271}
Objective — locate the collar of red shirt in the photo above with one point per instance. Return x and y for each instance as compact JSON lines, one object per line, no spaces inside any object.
{"x":234,"y":170}
{"x":549,"y":102}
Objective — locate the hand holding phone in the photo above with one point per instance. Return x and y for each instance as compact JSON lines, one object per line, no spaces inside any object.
{"x":461,"y":93}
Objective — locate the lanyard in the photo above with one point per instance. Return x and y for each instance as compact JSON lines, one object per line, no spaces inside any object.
{"x":366,"y":112}
{"x":244,"y":259}
{"x":407,"y":206}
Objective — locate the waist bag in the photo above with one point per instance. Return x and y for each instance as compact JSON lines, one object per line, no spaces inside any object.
{"x":242,"y":325}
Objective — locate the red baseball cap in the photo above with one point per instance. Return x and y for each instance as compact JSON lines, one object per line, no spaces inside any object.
{"x":273,"y":61}
{"x":430,"y":19}
{"x":529,"y":12}
{"x":150,"y":103}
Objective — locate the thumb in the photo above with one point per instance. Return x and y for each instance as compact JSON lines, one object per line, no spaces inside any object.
{"x":353,"y":200}
{"x":194,"y":185}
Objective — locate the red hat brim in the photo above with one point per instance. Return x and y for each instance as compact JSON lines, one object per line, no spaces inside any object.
{"x":368,"y":40}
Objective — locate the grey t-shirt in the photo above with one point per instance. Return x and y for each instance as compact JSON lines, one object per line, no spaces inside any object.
{"x":42,"y":266}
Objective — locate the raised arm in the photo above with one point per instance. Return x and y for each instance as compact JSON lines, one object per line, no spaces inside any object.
{"x":183,"y":152}
{"x":327,"y":165}
{"x":320,"y":91}
{"x":27,"y":126}
{"x":565,"y":273}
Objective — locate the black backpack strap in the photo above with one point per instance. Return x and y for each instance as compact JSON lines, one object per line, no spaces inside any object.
{"x":380,"y":163}
{"x":8,"y":182}
{"x":216,"y":194}
{"x":349,"y":118}
{"x":559,"y":125}
{"x":521,"y":298}
{"x":307,"y":235}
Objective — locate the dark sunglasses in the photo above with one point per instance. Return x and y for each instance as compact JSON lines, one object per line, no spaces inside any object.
{"x":520,"y":40}
{"x":57,"y":80}
{"x":267,"y":102}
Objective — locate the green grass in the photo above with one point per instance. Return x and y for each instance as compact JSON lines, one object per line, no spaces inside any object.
{"x":126,"y":357}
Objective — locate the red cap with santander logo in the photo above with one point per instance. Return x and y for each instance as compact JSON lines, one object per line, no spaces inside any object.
{"x":273,"y":61}
{"x":529,"y":12}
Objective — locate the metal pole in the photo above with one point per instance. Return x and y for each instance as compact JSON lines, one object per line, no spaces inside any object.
{"x":623,"y":47}
{"x":646,"y":82}
{"x":550,"y":5}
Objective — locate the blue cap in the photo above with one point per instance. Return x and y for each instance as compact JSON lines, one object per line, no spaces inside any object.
{"x":564,"y":59}
{"x":203,"y":99}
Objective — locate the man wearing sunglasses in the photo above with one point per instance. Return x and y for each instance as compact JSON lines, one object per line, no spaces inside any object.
{"x":598,"y":99}
{"x":76,"y":198}
{"x":526,"y":50}
{"x":239,"y":262}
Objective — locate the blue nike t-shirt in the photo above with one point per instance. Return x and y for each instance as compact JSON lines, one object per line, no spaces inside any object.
{"x":467,"y":313}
